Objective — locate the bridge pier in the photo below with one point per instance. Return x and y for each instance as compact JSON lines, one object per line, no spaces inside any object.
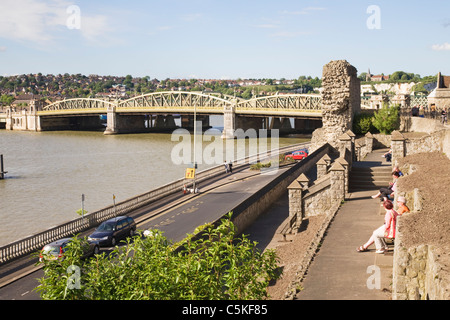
{"x":229,"y":121}
{"x":124,"y":123}
{"x":24,"y":120}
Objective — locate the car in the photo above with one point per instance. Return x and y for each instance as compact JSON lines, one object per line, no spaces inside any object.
{"x":297,"y":155}
{"x":56,"y":249}
{"x":110,"y":231}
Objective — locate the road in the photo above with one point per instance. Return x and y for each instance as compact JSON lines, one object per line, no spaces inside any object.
{"x":179,"y":216}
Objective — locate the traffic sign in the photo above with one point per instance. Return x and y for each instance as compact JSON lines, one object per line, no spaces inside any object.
{"x":190,"y":173}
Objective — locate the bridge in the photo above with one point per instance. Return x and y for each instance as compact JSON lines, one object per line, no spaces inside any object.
{"x":157,"y":110}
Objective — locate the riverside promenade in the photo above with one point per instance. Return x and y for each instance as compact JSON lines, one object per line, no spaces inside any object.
{"x":337,"y":271}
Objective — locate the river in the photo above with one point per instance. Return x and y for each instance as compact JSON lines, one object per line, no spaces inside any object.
{"x":49,"y":171}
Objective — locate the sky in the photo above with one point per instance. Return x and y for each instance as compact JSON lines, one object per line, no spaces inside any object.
{"x":217,"y":39}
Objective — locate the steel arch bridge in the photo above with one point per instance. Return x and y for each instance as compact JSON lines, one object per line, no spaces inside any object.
{"x":185,"y":102}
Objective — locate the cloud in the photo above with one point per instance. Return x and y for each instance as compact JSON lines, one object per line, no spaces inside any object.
{"x":43,"y":23}
{"x":441,"y":47}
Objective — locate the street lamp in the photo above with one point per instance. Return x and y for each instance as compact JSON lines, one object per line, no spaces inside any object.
{"x":195,"y":143}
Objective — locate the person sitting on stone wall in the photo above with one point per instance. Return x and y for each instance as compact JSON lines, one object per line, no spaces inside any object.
{"x":402,"y":208}
{"x":388,"y":155}
{"x":396,"y":169}
{"x":386,"y":193}
{"x":387,"y":230}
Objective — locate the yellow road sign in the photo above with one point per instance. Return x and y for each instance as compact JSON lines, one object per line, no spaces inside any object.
{"x":190,"y":173}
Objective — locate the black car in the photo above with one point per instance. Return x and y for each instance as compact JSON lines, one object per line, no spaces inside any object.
{"x":112,"y":230}
{"x":57,"y":249}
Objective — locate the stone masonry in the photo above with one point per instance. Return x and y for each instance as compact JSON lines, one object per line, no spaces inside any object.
{"x":341,"y":99}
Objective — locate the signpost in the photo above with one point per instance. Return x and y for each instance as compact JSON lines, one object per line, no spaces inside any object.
{"x":190,"y":173}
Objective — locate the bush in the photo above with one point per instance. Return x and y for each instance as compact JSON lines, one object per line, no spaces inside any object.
{"x":217,"y":266}
{"x":386,"y":119}
{"x":362,"y":123}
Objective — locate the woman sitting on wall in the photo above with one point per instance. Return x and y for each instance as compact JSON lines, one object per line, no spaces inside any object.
{"x":387,"y":230}
{"x":386,"y":193}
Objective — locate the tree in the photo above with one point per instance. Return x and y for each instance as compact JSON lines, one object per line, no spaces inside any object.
{"x":7,"y":99}
{"x":386,"y":119}
{"x":215,"y":266}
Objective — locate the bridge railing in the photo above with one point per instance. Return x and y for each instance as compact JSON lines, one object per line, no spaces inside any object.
{"x":36,"y":241}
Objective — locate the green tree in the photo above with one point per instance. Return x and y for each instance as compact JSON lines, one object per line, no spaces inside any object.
{"x":362,"y":123}
{"x":215,"y":266}
{"x":7,"y":99}
{"x":386,"y":119}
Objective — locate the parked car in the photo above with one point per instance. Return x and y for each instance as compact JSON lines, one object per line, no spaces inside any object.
{"x":56,"y":249}
{"x":297,"y":155}
{"x":113,"y":230}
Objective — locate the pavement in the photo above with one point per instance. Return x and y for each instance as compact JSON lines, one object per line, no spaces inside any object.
{"x":338,"y":271}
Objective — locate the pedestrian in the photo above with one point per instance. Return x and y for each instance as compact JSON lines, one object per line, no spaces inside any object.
{"x":226,"y":166}
{"x":421,"y":112}
{"x":230,"y":166}
{"x":387,"y":230}
{"x":433,"y":111}
{"x":444,"y":115}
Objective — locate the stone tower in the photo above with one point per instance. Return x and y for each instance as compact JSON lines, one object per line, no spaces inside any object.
{"x":341,"y":99}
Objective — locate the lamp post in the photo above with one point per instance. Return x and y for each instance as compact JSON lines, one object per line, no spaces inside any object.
{"x":195,"y":144}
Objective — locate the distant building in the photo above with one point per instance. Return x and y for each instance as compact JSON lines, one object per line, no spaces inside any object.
{"x":440,"y":97}
{"x":378,"y":78}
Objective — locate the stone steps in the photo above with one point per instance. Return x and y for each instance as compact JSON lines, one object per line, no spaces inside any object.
{"x":362,"y":178}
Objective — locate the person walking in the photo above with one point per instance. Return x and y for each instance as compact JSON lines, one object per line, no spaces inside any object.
{"x":226,"y":166}
{"x":444,"y":115}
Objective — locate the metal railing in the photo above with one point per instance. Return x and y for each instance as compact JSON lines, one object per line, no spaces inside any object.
{"x":36,"y":241}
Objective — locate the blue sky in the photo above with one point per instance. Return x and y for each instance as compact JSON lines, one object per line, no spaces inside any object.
{"x":222,"y":39}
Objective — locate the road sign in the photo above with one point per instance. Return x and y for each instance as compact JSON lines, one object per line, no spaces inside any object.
{"x":190,"y":173}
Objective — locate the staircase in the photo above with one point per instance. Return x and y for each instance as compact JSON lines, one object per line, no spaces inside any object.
{"x":371,"y":173}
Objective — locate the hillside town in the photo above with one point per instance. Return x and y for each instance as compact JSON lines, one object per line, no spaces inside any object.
{"x":18,"y":90}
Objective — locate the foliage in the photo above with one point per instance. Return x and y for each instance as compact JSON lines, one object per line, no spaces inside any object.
{"x":216,"y":266}
{"x":81,"y":212}
{"x":386,"y":119}
{"x":259,"y":165}
{"x":362,"y":123}
{"x":6,"y":99}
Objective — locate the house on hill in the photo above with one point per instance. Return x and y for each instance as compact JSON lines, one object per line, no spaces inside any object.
{"x":440,"y":96}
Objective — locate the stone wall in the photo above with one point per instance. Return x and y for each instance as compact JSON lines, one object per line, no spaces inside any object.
{"x":418,"y":271}
{"x":341,"y":98}
{"x":319,"y":197}
{"x":435,"y":141}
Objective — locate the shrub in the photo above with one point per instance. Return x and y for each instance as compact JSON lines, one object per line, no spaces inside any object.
{"x":386,"y":119}
{"x":216,"y":266}
{"x":362,"y":123}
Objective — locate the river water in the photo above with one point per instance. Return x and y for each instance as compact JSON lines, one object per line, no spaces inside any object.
{"x":49,"y":171}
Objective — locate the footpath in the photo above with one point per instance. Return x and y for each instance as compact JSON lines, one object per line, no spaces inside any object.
{"x":338,"y":271}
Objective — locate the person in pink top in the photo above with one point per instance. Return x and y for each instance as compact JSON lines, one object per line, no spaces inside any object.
{"x":387,"y":230}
